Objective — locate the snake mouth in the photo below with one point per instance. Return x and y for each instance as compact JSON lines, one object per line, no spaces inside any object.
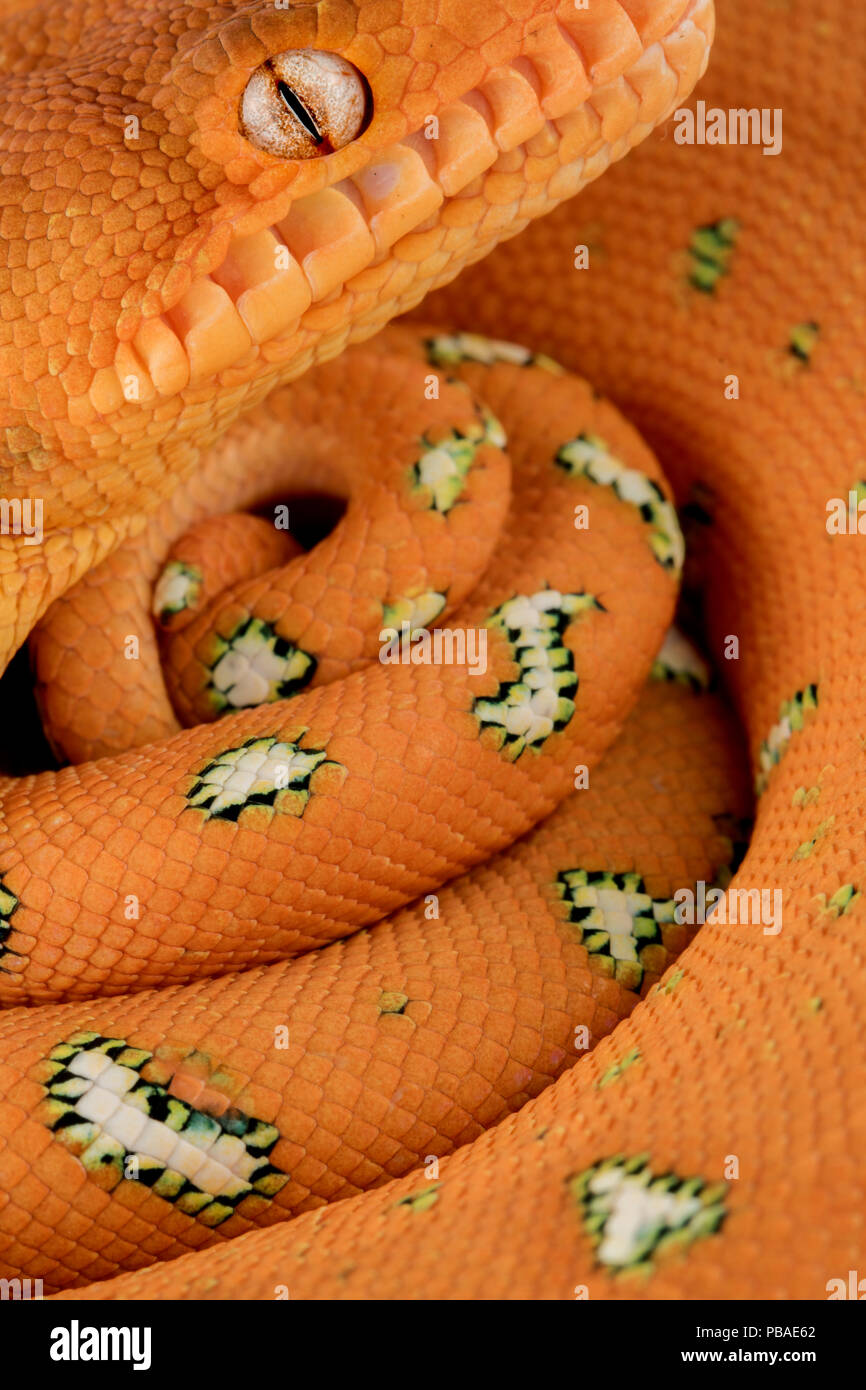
{"x":373,"y":244}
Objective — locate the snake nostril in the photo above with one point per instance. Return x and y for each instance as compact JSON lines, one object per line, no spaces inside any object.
{"x":300,"y":105}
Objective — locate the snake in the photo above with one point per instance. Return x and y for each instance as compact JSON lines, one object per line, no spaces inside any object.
{"x":303,"y":949}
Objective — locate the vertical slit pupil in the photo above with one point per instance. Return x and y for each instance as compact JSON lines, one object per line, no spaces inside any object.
{"x":299,"y":110}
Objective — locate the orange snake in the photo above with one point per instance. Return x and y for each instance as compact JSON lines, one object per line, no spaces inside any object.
{"x":286,"y":1086}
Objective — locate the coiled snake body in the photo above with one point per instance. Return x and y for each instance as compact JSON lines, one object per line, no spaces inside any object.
{"x":407,"y":1093}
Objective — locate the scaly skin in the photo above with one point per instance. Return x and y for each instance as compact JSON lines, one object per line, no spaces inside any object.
{"x":110,"y":230}
{"x":396,"y":1045}
{"x":412,"y":786}
{"x":229,"y":894}
{"x":154,"y":864}
{"x":753,"y":1048}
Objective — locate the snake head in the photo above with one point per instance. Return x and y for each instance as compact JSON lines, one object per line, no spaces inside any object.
{"x":202,"y":200}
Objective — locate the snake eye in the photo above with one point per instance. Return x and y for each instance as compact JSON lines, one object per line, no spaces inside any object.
{"x":300,"y":105}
